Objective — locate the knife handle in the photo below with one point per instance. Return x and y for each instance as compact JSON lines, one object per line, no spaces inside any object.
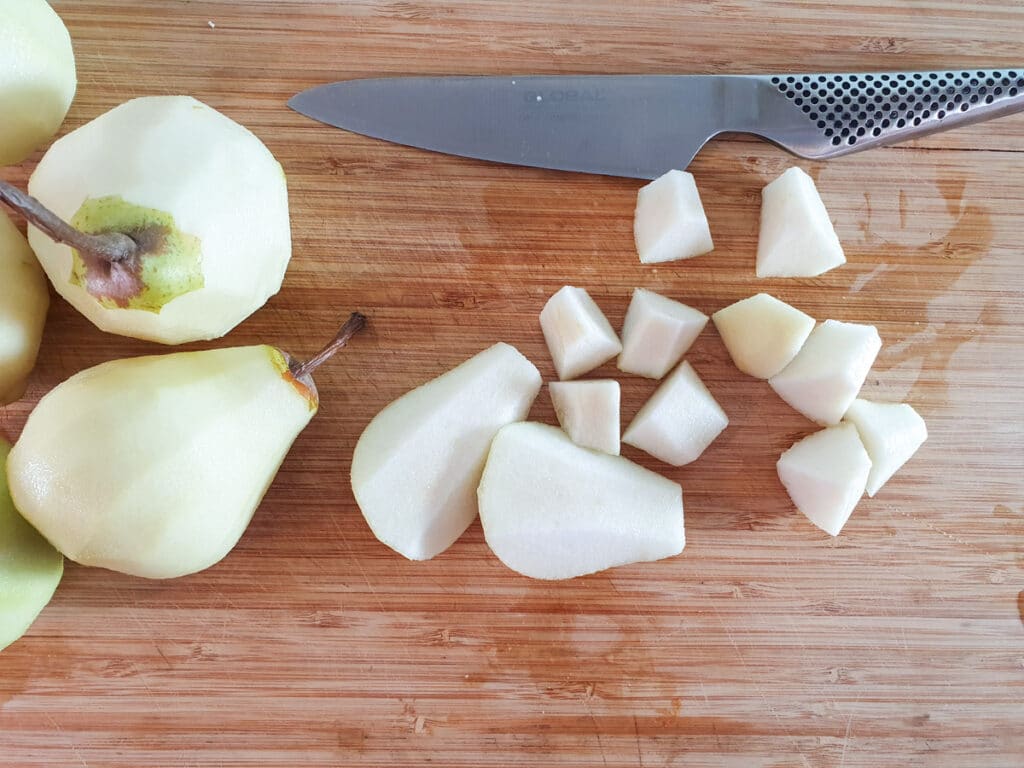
{"x":827,"y":115}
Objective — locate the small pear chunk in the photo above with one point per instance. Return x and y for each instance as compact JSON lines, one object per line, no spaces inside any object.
{"x":891,"y":433}
{"x":762,"y":334}
{"x":797,"y":238}
{"x":588,"y":412}
{"x":202,"y":197}
{"x":24,"y":298}
{"x":578,"y":335}
{"x":825,"y":475}
{"x":669,"y":223}
{"x":829,"y":370}
{"x":154,"y":466}
{"x":37,"y":76}
{"x":679,"y":421}
{"x":553,"y":510}
{"x":656,"y":333}
{"x":417,"y":464}
{"x":30,"y":569}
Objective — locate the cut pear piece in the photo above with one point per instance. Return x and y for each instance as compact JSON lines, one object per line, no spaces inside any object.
{"x":417,"y":464}
{"x":797,"y":238}
{"x":201,"y":197}
{"x":37,"y":76}
{"x":656,"y":333}
{"x":825,"y":475}
{"x":669,"y":222}
{"x":829,"y":370}
{"x":679,"y":421}
{"x":30,"y":569}
{"x":553,"y":510}
{"x":891,"y":433}
{"x":24,"y":299}
{"x":577,"y":333}
{"x":762,"y":334}
{"x":154,"y":466}
{"x":588,"y":412}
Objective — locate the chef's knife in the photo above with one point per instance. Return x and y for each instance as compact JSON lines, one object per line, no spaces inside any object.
{"x":644,"y":125}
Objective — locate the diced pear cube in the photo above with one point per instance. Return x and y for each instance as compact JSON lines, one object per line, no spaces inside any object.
{"x":669,"y":223}
{"x":578,"y":335}
{"x":762,"y":333}
{"x":825,"y":474}
{"x":797,"y":238}
{"x":891,"y":433}
{"x":656,"y":333}
{"x":589,"y":412}
{"x":679,"y":421}
{"x":829,"y":370}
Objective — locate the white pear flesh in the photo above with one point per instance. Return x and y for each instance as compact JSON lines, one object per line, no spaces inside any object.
{"x":827,"y":373}
{"x":797,"y":238}
{"x":679,"y":421}
{"x":37,"y":76}
{"x":30,"y":569}
{"x":553,"y":510}
{"x":416,"y":466}
{"x":220,"y":184}
{"x":656,"y":333}
{"x":154,"y":466}
{"x":825,"y":475}
{"x":762,"y":334}
{"x":669,"y":223}
{"x":891,"y":433}
{"x":588,"y":411}
{"x":24,"y":299}
{"x":578,"y":335}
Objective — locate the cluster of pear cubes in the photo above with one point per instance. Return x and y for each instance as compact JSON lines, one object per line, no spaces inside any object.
{"x":818,"y":369}
{"x":162,"y":220}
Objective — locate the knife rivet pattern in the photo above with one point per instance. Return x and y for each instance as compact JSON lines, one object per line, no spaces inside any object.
{"x":848,"y":107}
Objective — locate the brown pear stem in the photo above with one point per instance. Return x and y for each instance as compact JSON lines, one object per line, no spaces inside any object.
{"x":109,"y":246}
{"x":355,"y":323}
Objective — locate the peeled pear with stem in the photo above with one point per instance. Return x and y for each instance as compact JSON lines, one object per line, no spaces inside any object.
{"x":161,"y":219}
{"x":24,"y":299}
{"x":154,"y":466}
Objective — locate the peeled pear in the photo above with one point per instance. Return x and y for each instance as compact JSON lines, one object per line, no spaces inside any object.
{"x":30,"y":569}
{"x":203,"y":204}
{"x":891,"y":432}
{"x":656,"y":333}
{"x":37,"y":76}
{"x":553,"y":510}
{"x":797,"y":238}
{"x":762,"y":334}
{"x":825,"y":475}
{"x":588,"y":411}
{"x":416,"y":466}
{"x":24,"y":298}
{"x":577,"y":333}
{"x":827,"y":373}
{"x":154,"y":466}
{"x":669,"y":222}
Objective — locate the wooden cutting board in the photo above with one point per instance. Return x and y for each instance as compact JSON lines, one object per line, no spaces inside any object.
{"x":766,"y":643}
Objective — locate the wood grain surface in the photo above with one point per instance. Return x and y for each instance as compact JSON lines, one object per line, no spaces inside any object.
{"x":766,"y":643}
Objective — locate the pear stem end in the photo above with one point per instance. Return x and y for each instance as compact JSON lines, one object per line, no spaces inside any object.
{"x":355,"y":323}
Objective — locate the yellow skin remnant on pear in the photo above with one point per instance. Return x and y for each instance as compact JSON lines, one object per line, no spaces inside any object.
{"x":169,"y":264}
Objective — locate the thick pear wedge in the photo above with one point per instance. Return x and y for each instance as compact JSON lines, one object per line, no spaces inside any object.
{"x":154,"y":466}
{"x":417,"y":464}
{"x":30,"y":569}
{"x":24,"y":299}
{"x":553,"y":510}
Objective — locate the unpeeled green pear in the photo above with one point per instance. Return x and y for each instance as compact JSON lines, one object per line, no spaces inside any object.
{"x":161,"y":219}
{"x":30,"y":569}
{"x":154,"y":466}
{"x":24,"y":299}
{"x":37,"y":76}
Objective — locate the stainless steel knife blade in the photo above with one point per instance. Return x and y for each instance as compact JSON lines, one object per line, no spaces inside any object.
{"x":641,"y":126}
